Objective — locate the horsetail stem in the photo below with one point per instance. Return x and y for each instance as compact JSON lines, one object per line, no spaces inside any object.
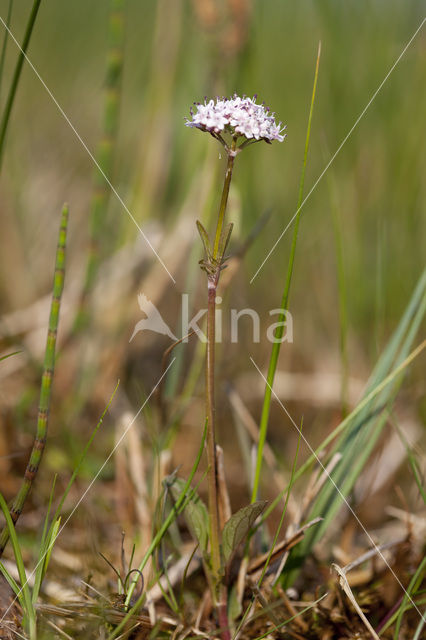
{"x":104,"y":155}
{"x":46,"y":382}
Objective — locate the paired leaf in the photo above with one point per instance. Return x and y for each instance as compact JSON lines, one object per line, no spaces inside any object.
{"x":238,"y":526}
{"x":195,"y":512}
{"x":205,"y":240}
{"x":225,"y":237}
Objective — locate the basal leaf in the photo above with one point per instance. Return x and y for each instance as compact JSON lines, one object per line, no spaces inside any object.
{"x":238,"y":526}
{"x":195,"y":513}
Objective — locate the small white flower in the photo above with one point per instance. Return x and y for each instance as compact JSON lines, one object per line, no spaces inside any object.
{"x":237,"y":116}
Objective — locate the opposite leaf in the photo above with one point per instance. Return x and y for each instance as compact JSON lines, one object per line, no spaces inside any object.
{"x":205,"y":239}
{"x":238,"y":526}
{"x":195,"y":513}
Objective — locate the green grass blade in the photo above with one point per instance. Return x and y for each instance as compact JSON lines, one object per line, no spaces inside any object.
{"x":412,"y":461}
{"x":345,"y":424}
{"x":9,"y":355}
{"x":342,"y":291}
{"x":417,"y":635}
{"x":11,"y":582}
{"x":16,"y":76}
{"x":180,"y":504}
{"x":410,"y":592}
{"x":104,"y":157}
{"x":358,"y":440}
{"x":5,"y":39}
{"x":46,"y":383}
{"x":24,"y":589}
{"x":284,"y":303}
{"x":284,"y":511}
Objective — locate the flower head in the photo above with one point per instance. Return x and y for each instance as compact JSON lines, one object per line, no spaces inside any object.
{"x":237,"y":116}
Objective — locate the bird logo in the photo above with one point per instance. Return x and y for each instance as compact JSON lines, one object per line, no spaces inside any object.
{"x":153,"y":320}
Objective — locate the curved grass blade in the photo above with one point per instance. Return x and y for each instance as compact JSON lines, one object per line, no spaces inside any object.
{"x":345,"y":424}
{"x":46,"y":383}
{"x":364,"y":427}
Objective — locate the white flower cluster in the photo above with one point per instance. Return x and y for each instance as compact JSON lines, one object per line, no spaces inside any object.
{"x":241,"y":116}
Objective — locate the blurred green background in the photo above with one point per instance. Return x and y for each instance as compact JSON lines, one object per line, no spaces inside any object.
{"x":177,"y":52}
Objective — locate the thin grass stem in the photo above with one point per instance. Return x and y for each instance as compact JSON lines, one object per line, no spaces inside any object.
{"x":16,"y":76}
{"x":266,"y":407}
{"x":4,"y":46}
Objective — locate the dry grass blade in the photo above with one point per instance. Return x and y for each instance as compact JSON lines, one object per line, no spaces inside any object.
{"x":346,"y":588}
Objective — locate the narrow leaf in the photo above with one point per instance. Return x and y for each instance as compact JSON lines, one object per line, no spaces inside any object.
{"x":224,"y":240}
{"x":205,"y":239}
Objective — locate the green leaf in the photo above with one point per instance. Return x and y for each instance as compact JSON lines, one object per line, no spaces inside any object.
{"x":224,"y":240}
{"x":205,"y":239}
{"x":238,"y":527}
{"x":195,"y":512}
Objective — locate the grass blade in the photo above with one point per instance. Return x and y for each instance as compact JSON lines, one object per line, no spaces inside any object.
{"x":357,"y":442}
{"x":6,"y":35}
{"x":284,"y":303}
{"x":16,"y":76}
{"x":415,"y":582}
{"x":23,"y":593}
{"x":180,"y":504}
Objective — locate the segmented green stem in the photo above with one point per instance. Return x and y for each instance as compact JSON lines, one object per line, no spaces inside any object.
{"x":16,"y":75}
{"x":104,"y":155}
{"x":46,"y":382}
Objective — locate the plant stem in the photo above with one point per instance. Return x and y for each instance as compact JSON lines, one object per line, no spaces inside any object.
{"x":46,"y":382}
{"x":211,"y":429}
{"x":212,"y":283}
{"x":224,"y":199}
{"x":16,"y":75}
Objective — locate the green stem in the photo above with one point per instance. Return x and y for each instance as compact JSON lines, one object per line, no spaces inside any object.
{"x":46,"y":382}
{"x":212,"y":283}
{"x":284,"y":304}
{"x":104,"y":157}
{"x":224,"y":200}
{"x":17,"y":74}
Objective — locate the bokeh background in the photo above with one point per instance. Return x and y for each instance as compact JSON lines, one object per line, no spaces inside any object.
{"x":365,"y":219}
